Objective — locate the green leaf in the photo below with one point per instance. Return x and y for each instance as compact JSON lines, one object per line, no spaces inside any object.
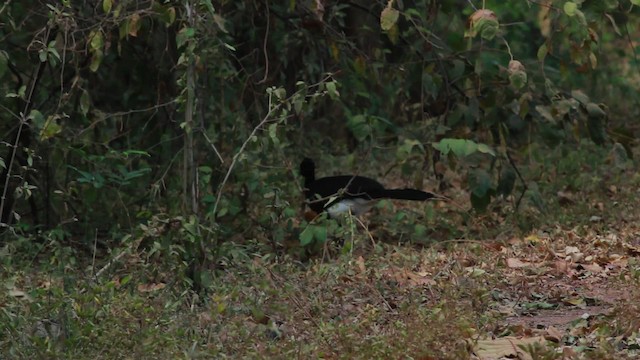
{"x":96,"y":60}
{"x":483,"y":22}
{"x":419,"y":230}
{"x":134,"y":24}
{"x":359,"y":127}
{"x":332,"y":90}
{"x":51,"y":49}
{"x":618,"y":155}
{"x":37,"y":118}
{"x":306,"y":236}
{"x":4,"y":63}
{"x":123,"y":29}
{"x":209,"y":6}
{"x":106,"y":6}
{"x":517,"y":74}
{"x":570,"y":8}
{"x":480,"y":182}
{"x":42,"y":55}
{"x":166,"y":14}
{"x":97,"y":40}
{"x":534,"y":195}
{"x":518,"y":79}
{"x":542,"y":52}
{"x":635,"y":2}
{"x":507,"y":181}
{"x":404,"y":151}
{"x":85,"y":102}
{"x":388,"y":18}
{"x":462,"y":147}
{"x":273,"y":133}
{"x":486,"y":149}
{"x":320,"y":233}
{"x":50,"y":129}
{"x":611,"y":4}
{"x":183,"y":35}
{"x":480,"y":203}
{"x":481,"y":189}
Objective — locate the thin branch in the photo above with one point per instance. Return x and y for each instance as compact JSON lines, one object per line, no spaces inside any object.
{"x":213,"y":146}
{"x":5,"y":6}
{"x":95,"y":248}
{"x":265,"y":120}
{"x":264,"y":48}
{"x":524,"y":184}
{"x":124,"y":113}
{"x":23,"y":121}
{"x":108,"y":264}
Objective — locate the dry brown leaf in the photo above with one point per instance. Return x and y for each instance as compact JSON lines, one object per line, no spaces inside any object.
{"x":416,"y":279}
{"x":151,"y":287}
{"x":553,"y":334}
{"x":19,"y":294}
{"x":561,"y":266}
{"x":410,"y":278}
{"x":575,"y":301}
{"x":506,"y":346}
{"x":565,"y":198}
{"x":361,"y":266}
{"x":573,"y":254}
{"x":493,"y":246}
{"x":517,"y":263}
{"x":632,"y":250}
{"x":593,"y":267}
{"x":616,"y":260}
{"x":571,"y":250}
{"x":515,"y":241}
{"x":569,"y":352}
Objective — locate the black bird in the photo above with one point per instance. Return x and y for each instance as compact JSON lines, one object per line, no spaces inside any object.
{"x":357,"y":194}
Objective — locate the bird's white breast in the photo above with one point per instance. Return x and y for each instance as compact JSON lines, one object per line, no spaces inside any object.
{"x":357,"y":207}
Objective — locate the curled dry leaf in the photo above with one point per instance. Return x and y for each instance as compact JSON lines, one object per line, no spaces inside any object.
{"x":151,"y":287}
{"x":19,"y":294}
{"x":561,"y":267}
{"x":483,"y":22}
{"x":517,"y":74}
{"x":553,"y":334}
{"x":633,"y":250}
{"x":361,"y":266}
{"x":508,"y":346}
{"x":593,"y":267}
{"x":410,"y":278}
{"x":565,"y":198}
{"x":517,"y":263}
{"x":388,"y":17}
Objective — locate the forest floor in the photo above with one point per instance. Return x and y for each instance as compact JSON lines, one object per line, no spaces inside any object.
{"x":566,"y":288}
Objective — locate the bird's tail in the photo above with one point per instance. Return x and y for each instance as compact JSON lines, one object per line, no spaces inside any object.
{"x":402,"y":194}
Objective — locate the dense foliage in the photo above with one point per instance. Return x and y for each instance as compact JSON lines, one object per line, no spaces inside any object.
{"x":177,"y":126}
